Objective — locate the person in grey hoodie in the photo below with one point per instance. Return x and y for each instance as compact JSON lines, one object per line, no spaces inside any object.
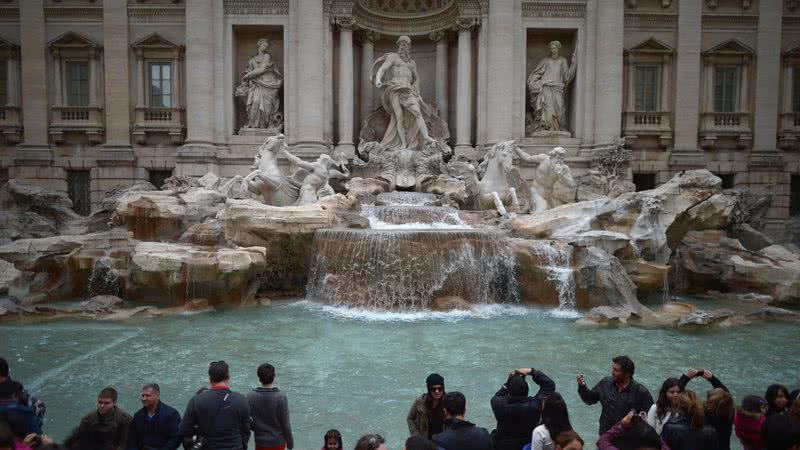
{"x":269,"y":409}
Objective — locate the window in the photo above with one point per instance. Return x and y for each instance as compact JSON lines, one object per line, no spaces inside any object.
{"x":3,"y":82}
{"x":647,"y":82}
{"x":160,"y":85}
{"x":727,"y":180}
{"x":644,"y":181}
{"x":794,"y":196}
{"x":725,"y":89}
{"x":157,"y":177}
{"x":3,"y":176}
{"x":78,"y":190}
{"x":77,"y":83}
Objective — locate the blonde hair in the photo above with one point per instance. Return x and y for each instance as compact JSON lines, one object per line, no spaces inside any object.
{"x":719,"y":403}
{"x":690,"y":406}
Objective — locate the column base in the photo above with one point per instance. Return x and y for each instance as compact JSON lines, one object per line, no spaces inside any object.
{"x":347,"y":148}
{"x":466,"y":150}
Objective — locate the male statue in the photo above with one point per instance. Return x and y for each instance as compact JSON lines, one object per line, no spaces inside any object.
{"x":552,"y":183}
{"x":398,"y":77}
{"x":315,"y":184}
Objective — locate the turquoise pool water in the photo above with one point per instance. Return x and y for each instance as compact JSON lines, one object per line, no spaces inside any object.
{"x":359,"y":371}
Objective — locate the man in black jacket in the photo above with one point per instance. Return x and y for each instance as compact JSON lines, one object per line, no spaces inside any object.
{"x":618,"y":394}
{"x":157,"y":425}
{"x":218,"y":415}
{"x":460,"y":434}
{"x":516,"y":413}
{"x":105,"y":428}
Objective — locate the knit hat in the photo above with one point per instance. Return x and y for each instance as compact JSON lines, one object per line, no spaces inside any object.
{"x":517,"y":386}
{"x":434,"y":379}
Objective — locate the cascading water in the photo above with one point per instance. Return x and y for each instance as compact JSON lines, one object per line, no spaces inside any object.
{"x":557,"y":262}
{"x":103,"y":280}
{"x":412,"y":254}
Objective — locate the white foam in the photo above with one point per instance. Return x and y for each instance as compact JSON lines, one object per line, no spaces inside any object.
{"x":381,"y":225}
{"x":486,"y":311}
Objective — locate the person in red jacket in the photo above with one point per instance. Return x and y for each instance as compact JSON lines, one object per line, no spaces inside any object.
{"x":748,"y":420}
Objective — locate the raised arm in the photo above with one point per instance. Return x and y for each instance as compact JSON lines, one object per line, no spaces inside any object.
{"x":590,"y":397}
{"x":297,"y":161}
{"x":533,"y":159}
{"x":707,"y":374}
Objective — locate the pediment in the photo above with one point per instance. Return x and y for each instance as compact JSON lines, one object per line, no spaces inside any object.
{"x":652,"y":45}
{"x":731,"y":47}
{"x":793,"y":51}
{"x":72,"y":39}
{"x":5,"y":43}
{"x":154,"y":40}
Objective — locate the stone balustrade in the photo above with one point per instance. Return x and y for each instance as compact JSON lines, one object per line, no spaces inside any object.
{"x":734,"y":124}
{"x":10,"y":123}
{"x":152,"y":120}
{"x":82,"y":119}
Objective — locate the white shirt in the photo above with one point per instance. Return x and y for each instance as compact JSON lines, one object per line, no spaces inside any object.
{"x":540,"y":440}
{"x":654,"y":421}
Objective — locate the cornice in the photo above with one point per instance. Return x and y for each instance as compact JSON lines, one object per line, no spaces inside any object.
{"x":78,"y":13}
{"x":9,"y":14}
{"x":730,"y":21}
{"x":651,"y":20}
{"x":554,"y":9}
{"x":256,"y":7}
{"x":157,"y":14}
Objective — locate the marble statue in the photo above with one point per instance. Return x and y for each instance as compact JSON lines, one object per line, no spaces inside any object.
{"x":547,"y":85}
{"x":405,"y":120}
{"x":552,"y":183}
{"x":307,"y":184}
{"x":259,"y":91}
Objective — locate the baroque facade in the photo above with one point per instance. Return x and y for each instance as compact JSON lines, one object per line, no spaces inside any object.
{"x":96,"y":93}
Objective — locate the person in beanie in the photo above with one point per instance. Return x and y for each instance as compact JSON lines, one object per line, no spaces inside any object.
{"x":426,"y":416}
{"x":516,"y":413}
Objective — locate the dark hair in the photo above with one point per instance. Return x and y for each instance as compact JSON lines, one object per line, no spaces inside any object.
{"x":420,"y":443}
{"x":772,"y":393}
{"x":625,"y":363}
{"x":333,"y":434}
{"x":455,"y":403}
{"x":555,"y":416}
{"x":752,"y":404}
{"x":266,"y":373}
{"x":780,"y":432}
{"x":3,"y":367}
{"x":640,"y":436}
{"x":218,"y":372}
{"x":719,"y":403}
{"x":662,"y":404}
{"x":153,"y":386}
{"x":517,"y":386}
{"x":108,"y":392}
{"x":369,"y":442}
{"x":567,"y":437}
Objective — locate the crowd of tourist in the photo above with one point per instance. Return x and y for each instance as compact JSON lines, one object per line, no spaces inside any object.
{"x":217,"y":418}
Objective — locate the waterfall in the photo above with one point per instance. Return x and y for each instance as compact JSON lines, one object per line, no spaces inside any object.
{"x":408,"y":269}
{"x":407,"y":198}
{"x":557,"y":263}
{"x":412,"y":216}
{"x":103,"y":280}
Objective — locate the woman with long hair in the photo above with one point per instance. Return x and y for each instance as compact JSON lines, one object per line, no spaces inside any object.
{"x":555,"y":420}
{"x":777,"y":398}
{"x":568,"y":440}
{"x":688,"y":430}
{"x":667,"y":404}
{"x":426,"y":416}
{"x":748,"y":421}
{"x":719,"y":409}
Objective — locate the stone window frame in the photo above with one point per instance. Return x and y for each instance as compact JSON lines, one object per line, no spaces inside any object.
{"x":149,"y":69}
{"x":10,"y":122}
{"x":789,"y":129}
{"x":738,"y":123}
{"x":650,"y":52}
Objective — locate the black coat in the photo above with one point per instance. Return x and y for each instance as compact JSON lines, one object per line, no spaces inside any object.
{"x":616,"y":404}
{"x":463,"y":435}
{"x":97,"y":432}
{"x":518,"y":416}
{"x":162,"y":433}
{"x":219,"y":415}
{"x":679,"y":436}
{"x":723,"y":427}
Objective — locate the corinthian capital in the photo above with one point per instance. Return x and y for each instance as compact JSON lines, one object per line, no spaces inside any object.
{"x":345,"y":22}
{"x":437,"y":36}
{"x":466,"y":23}
{"x":370,"y":36}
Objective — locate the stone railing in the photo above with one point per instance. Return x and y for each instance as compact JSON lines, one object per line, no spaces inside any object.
{"x":731,"y":124}
{"x":86,"y":119}
{"x":789,"y":133}
{"x":159,"y":120}
{"x":10,"y":123}
{"x":649,"y":123}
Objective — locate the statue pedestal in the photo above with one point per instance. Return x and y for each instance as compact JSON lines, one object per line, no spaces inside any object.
{"x":551,"y":134}
{"x":263,"y":132}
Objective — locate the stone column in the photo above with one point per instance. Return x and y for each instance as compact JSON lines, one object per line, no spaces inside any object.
{"x":200,"y":80}
{"x":609,"y":71}
{"x":345,"y":88}
{"x":685,"y":153}
{"x":666,"y":89}
{"x":464,"y":87}
{"x":440,"y":38}
{"x":500,"y":55}
{"x":767,"y":99}
{"x":57,"y":71}
{"x":140,"y":83}
{"x":311,"y":29}
{"x":117,"y":85}
{"x":788,"y":90}
{"x":177,"y":80}
{"x":35,"y":113}
{"x":368,"y":39}
{"x":93,"y":76}
{"x":12,"y":82}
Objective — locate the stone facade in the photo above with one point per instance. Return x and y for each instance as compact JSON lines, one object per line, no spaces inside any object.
{"x":649,"y":70}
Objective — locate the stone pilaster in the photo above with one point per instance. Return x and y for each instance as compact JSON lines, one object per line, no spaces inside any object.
{"x":608,"y":71}
{"x":117,"y":86}
{"x":345,"y":88}
{"x":200,"y":78}
{"x":311,"y":29}
{"x":440,"y":83}
{"x":464,"y":87}
{"x":35,"y":111}
{"x":500,"y":55}
{"x":768,"y":69}
{"x":686,"y":154}
{"x":368,"y":39}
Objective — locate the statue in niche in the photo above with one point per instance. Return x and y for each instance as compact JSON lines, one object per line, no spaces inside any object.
{"x":307,"y":184}
{"x":547,"y":85}
{"x":259,"y":91}
{"x":552,"y":183}
{"x":404,"y":120}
